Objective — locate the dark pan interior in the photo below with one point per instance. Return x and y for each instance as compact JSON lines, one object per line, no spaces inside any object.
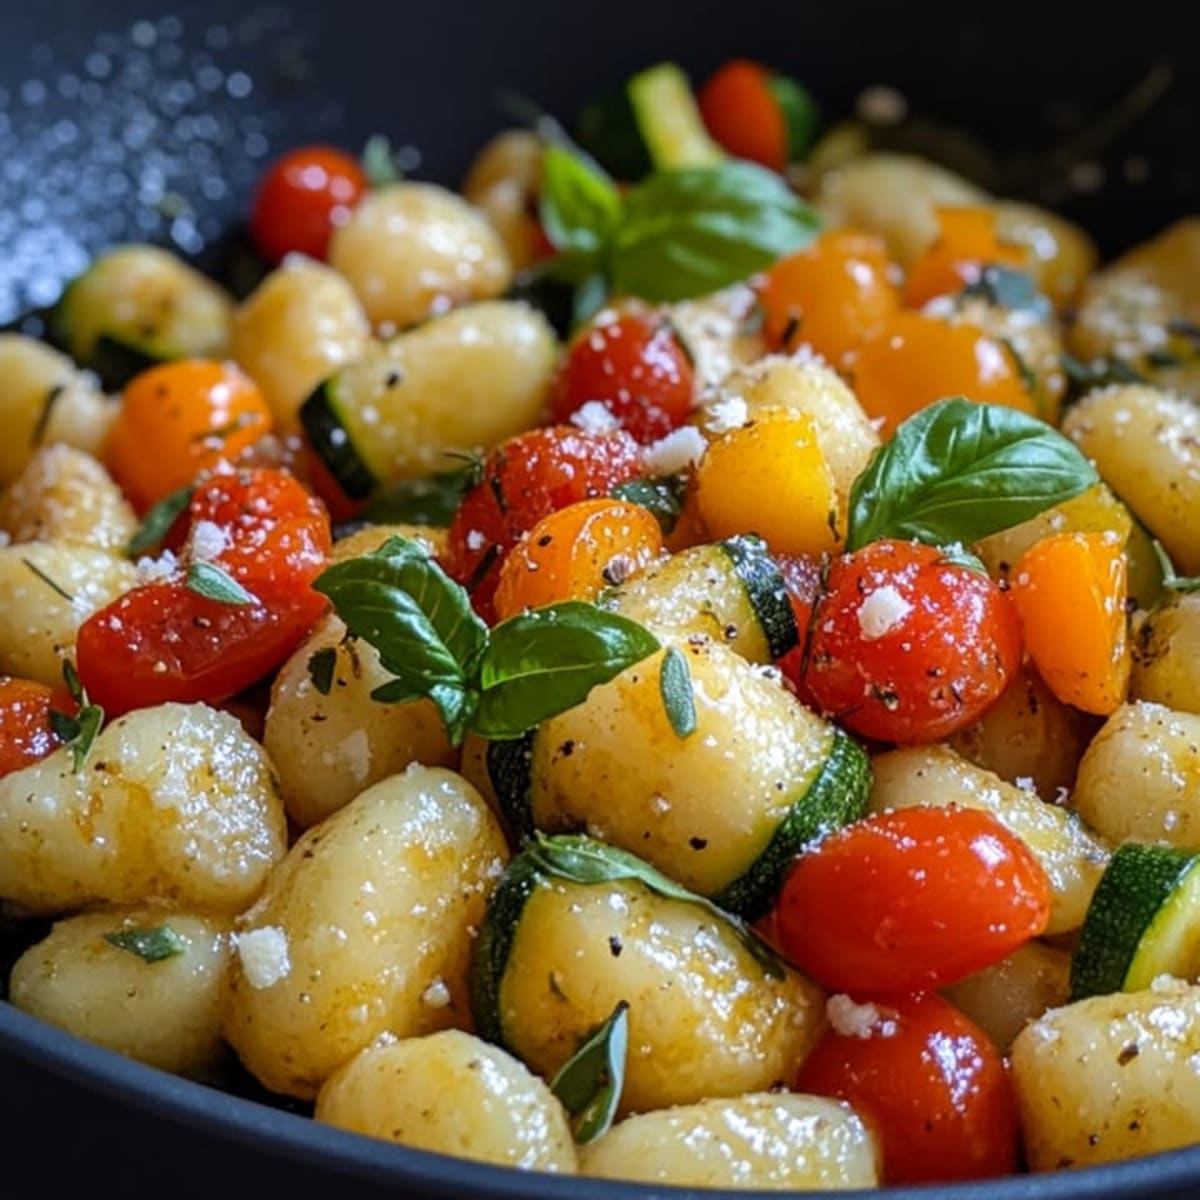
{"x":130,"y":120}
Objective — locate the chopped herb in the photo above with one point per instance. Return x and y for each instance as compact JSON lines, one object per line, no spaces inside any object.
{"x":590,"y":1083}
{"x":1163,"y":359}
{"x":158,"y":521}
{"x":77,"y":732}
{"x":321,"y":665}
{"x":960,"y":556}
{"x":50,"y":583}
{"x":214,"y":583}
{"x":47,"y":411}
{"x":151,"y":945}
{"x":675,"y":683}
{"x":1029,"y":379}
{"x":1084,"y":377}
{"x":1171,"y":580}
{"x":429,"y":501}
{"x":752,"y":323}
{"x":382,"y":164}
{"x":223,"y":432}
{"x":1007,"y":287}
{"x":662,"y":496}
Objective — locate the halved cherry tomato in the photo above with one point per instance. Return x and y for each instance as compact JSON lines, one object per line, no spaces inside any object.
{"x":164,"y":641}
{"x":26,"y":735}
{"x":911,"y":900}
{"x":1070,"y":590}
{"x":525,"y":479}
{"x":636,"y":367}
{"x":929,"y":1082}
{"x":574,"y":553}
{"x":301,"y":198}
{"x":743,"y":115}
{"x":966,"y":243}
{"x":907,"y":646}
{"x":832,"y":295}
{"x":913,"y":360}
{"x":179,"y":419}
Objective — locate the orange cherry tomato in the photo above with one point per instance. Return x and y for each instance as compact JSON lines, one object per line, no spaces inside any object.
{"x":914,"y":360}
{"x":574,"y":553}
{"x":911,"y":900}
{"x":832,"y":295}
{"x":178,"y":419}
{"x":743,"y":115}
{"x":26,"y":735}
{"x":966,"y":243}
{"x":302,"y":198}
{"x":1070,"y":590}
{"x":931,"y":1084}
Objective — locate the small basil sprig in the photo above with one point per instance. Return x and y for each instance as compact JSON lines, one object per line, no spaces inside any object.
{"x":582,"y":859}
{"x":679,"y":233}
{"x":499,"y":682}
{"x":958,"y":471}
{"x":158,"y":521}
{"x":590,"y":1082}
{"x":1171,"y":580}
{"x":77,"y":732}
{"x":150,"y":945}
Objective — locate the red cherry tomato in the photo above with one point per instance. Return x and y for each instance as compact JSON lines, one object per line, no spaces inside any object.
{"x":908,"y":647}
{"x":636,"y":367}
{"x":26,"y":735}
{"x":911,"y":900}
{"x":802,"y":575}
{"x":741,"y":113}
{"x":164,"y":641}
{"x":302,"y":198}
{"x":525,"y":479}
{"x":930,"y":1083}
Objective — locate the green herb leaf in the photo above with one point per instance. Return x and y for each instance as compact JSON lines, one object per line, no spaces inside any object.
{"x":77,"y":732}
{"x":215,"y":583}
{"x":429,"y":501}
{"x":1084,"y":377}
{"x":691,"y":231}
{"x":675,"y":683}
{"x":151,"y":945}
{"x":73,"y":682}
{"x":321,"y":665}
{"x":52,"y":584}
{"x":579,"y":207}
{"x":420,"y":621}
{"x":801,"y":117}
{"x":541,"y":663}
{"x":663,"y":496}
{"x":959,"y":556}
{"x":1171,"y":580}
{"x":47,"y":411}
{"x":958,"y":471}
{"x":1007,"y":287}
{"x":581,"y":859}
{"x":158,"y":521}
{"x":380,"y":163}
{"x":590,"y":1082}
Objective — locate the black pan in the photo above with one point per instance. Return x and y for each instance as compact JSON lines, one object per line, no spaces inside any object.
{"x":128,"y":120}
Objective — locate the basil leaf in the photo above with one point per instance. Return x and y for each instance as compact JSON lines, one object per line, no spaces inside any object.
{"x":65,"y":727}
{"x":321,"y":665}
{"x":579,"y":206}
{"x":73,"y":682}
{"x":90,"y":719}
{"x":958,"y":471}
{"x":419,"y":620}
{"x":662,"y":496}
{"x":581,"y":859}
{"x":590,"y":1082}
{"x":675,"y":683}
{"x":158,"y":521}
{"x":1007,"y":287}
{"x":52,"y":584}
{"x":1084,"y":377}
{"x":429,"y":501}
{"x":1183,"y":584}
{"x":150,"y":945}
{"x":694,"y":230}
{"x":214,"y":583}
{"x":959,"y":556}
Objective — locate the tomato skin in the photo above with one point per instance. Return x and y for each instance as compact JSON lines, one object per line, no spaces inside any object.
{"x":930,"y":1083}
{"x":802,"y":576}
{"x":907,"y":647}
{"x":301,"y":198}
{"x":525,"y":479}
{"x":26,"y":735}
{"x":636,"y":367}
{"x":742,"y":114}
{"x":162,"y":641}
{"x":911,"y":900}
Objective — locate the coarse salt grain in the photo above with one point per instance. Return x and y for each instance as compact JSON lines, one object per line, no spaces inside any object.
{"x":436,"y":995}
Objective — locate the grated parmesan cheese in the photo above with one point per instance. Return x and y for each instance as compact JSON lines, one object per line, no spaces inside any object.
{"x":475,"y":540}
{"x":881,"y":612}
{"x":264,"y":955}
{"x":207,"y":541}
{"x":675,"y":452}
{"x":155,"y":570}
{"x":593,"y":417}
{"x":858,"y":1020}
{"x":721,"y":416}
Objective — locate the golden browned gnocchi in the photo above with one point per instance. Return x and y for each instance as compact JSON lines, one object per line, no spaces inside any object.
{"x":1166,"y":649}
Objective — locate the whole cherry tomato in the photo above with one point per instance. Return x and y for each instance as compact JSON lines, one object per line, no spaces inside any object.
{"x":301,"y":198}
{"x":636,"y":367}
{"x":743,"y":114}
{"x":26,"y":735}
{"x":908,"y":646}
{"x":930,"y":1083}
{"x":911,"y":900}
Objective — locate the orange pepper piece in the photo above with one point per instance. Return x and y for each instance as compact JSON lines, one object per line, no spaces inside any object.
{"x":967,"y":242}
{"x":1070,"y":590}
{"x":574,"y":553}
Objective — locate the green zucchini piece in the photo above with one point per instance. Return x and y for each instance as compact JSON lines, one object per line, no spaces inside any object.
{"x":321,"y":418}
{"x":652,"y":123}
{"x":1143,"y":921}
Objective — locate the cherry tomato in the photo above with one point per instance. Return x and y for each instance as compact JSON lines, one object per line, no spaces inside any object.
{"x":909,"y":647}
{"x":301,"y":198}
{"x":525,"y":479}
{"x":741,"y":113}
{"x":179,"y":419}
{"x":634,"y":366}
{"x":832,"y":295}
{"x":911,"y":900}
{"x":966,"y":243}
{"x":26,"y":735}
{"x":802,"y":575}
{"x":931,"y":1084}
{"x":164,"y":641}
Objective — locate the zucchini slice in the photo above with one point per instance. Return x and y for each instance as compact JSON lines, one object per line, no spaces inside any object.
{"x":730,"y":591}
{"x":321,"y":418}
{"x":724,"y":811}
{"x":652,"y":123}
{"x":1143,"y":921}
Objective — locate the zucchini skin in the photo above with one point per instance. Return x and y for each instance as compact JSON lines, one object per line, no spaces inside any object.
{"x":608,"y":129}
{"x":766,"y":591}
{"x":510,"y":768}
{"x":332,"y":443}
{"x":836,"y":797}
